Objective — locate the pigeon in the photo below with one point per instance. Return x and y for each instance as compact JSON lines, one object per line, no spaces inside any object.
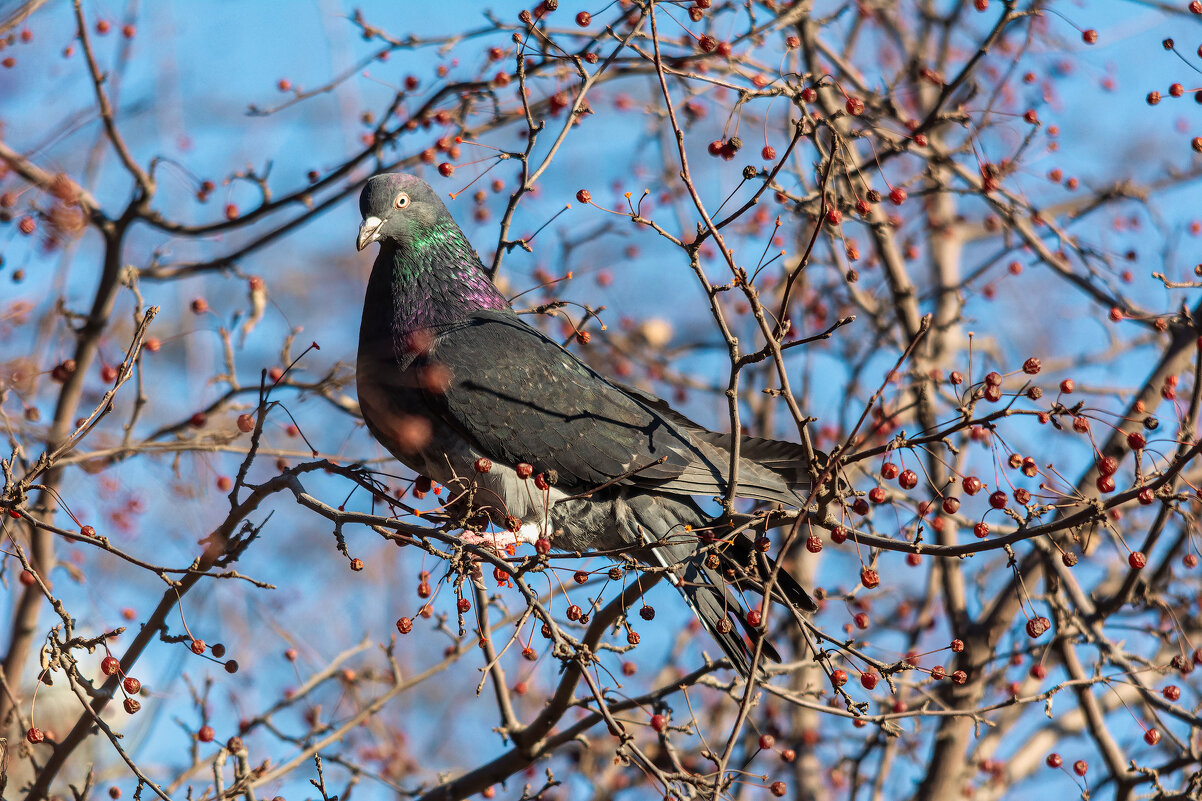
{"x":543,"y":448}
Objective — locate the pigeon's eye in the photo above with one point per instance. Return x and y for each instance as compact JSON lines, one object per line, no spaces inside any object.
{"x":402,"y":200}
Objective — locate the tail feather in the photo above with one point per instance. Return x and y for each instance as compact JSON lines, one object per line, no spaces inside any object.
{"x":705,"y":587}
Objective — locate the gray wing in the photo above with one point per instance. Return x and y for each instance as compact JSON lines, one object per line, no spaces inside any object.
{"x":518,"y":396}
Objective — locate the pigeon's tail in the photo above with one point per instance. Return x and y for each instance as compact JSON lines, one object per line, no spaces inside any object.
{"x":705,"y":591}
{"x":702,"y":575}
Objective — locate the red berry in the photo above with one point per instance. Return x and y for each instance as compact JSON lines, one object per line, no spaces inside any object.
{"x":1171,"y":693}
{"x":1054,"y":761}
{"x":897,"y":196}
{"x":981,"y":530}
{"x":1105,"y":484}
{"x":854,"y":106}
{"x":1066,"y":386}
{"x":767,"y":741}
{"x":960,"y":677}
{"x":231,"y":211}
{"x":103,"y":26}
{"x":769,"y":153}
{"x":754,"y":618}
{"x":839,"y":677}
{"x":1190,"y":561}
{"x":957,"y":646}
{"x":1146,"y":497}
{"x":659,"y":722}
{"x":132,"y":705}
{"x":483,"y":464}
{"x":542,"y":545}
{"x":524,"y":470}
{"x":998,"y":500}
{"x":870,"y":578}
{"x":1136,"y":441}
{"x":132,"y":685}
{"x":951,"y":505}
{"x":1032,"y":366}
{"x":584,"y":196}
{"x":27,"y":225}
{"x":972,"y":485}
{"x":1080,"y":767}
{"x":889,"y":471}
{"x":463,"y":604}
{"x":908,"y":480}
{"x":876,"y":495}
{"x":128,"y":31}
{"x":1137,"y":560}
{"x":813,"y":543}
{"x":838,"y":535}
{"x":869,"y":678}
{"x":404,"y":625}
{"x":584,"y":19}
{"x":206,"y":734}
{"x":1152,"y":736}
{"x":446,"y":169}
{"x":35,"y":736}
{"x":574,"y":612}
{"x":1036,"y":626}
{"x":1089,"y":37}
{"x":778,"y":789}
{"x":860,"y":506}
{"x":109,"y":666}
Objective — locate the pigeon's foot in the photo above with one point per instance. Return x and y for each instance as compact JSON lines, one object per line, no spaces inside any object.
{"x":502,"y":541}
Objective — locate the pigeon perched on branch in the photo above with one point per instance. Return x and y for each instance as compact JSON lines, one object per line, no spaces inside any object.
{"x":459,"y":388}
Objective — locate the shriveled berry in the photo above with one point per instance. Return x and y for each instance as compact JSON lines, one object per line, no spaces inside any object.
{"x":404,"y":625}
{"x":1137,"y":560}
{"x":998,"y":499}
{"x":839,"y":677}
{"x":1036,"y":626}
{"x":870,"y":578}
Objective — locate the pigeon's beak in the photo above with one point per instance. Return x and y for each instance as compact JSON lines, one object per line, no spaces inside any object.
{"x":369,"y":231}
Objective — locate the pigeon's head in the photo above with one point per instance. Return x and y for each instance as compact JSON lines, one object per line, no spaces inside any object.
{"x":398,"y":207}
